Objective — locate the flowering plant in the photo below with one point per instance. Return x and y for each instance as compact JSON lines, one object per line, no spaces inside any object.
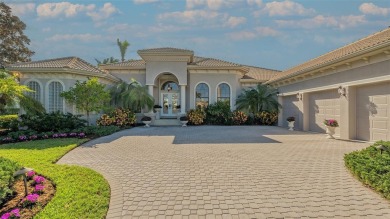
{"x":331,"y":122}
{"x":39,"y":188}
{"x":7,"y":139}
{"x":30,"y":174}
{"x":290,"y":119}
{"x":39,"y":179}
{"x":81,"y":135}
{"x":73,"y":134}
{"x":33,"y":137}
{"x":22,"y":138}
{"x":30,"y":200}
{"x":14,"y":214}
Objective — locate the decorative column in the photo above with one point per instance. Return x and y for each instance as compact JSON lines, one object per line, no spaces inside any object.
{"x":182,"y":99}
{"x":305,"y":112}
{"x":150,"y":91}
{"x":280,"y":116}
{"x":347,"y":123}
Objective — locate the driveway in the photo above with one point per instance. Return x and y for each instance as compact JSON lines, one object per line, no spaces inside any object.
{"x":228,"y":172}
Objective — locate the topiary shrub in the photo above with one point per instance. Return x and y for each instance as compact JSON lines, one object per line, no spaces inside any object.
{"x":7,"y":169}
{"x":219,"y":114}
{"x":239,"y":117}
{"x":119,"y":117}
{"x":196,"y":117}
{"x":266,"y":118}
{"x":9,"y":122}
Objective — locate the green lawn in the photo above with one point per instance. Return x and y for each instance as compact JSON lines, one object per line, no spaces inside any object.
{"x":81,"y":192}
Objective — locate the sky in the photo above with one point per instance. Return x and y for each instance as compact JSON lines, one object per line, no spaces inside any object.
{"x":269,"y":34}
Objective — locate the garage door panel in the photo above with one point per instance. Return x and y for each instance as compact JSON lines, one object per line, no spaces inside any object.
{"x":323,"y":105}
{"x":290,"y":108}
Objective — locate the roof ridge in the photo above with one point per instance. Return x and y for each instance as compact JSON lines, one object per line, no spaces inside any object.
{"x":210,"y":58}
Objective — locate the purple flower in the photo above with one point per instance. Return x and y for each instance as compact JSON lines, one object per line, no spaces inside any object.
{"x":33,"y":137}
{"x":81,"y":135}
{"x":39,"y":187}
{"x":6,"y":215}
{"x":32,"y":198}
{"x":22,"y":138}
{"x":15,"y":212}
{"x":39,"y":179}
{"x":63,"y":135}
{"x":73,"y":134}
{"x":56,"y":135}
{"x":30,"y":174}
{"x":7,"y":139}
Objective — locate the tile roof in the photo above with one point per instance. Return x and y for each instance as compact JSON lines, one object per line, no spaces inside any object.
{"x":260,"y":74}
{"x":164,"y":50}
{"x":368,"y":42}
{"x":66,"y":62}
{"x":210,"y":62}
{"x":130,"y":63}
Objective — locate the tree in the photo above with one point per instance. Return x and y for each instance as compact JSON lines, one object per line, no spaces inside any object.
{"x":261,"y":98}
{"x":88,"y":96}
{"x":13,"y":42}
{"x":107,"y":61}
{"x":12,"y":93}
{"x":131,"y":95}
{"x":123,"y":48}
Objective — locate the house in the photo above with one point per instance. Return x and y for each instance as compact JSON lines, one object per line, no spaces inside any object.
{"x":350,"y":84}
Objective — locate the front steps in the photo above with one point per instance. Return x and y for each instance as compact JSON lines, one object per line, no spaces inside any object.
{"x":166,"y":122}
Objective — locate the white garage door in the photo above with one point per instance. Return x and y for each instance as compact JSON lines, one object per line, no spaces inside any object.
{"x":373,"y":112}
{"x":290,"y":108}
{"x":323,"y":105}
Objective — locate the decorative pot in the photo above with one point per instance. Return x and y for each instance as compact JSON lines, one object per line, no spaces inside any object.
{"x":147,"y":123}
{"x":184,"y":123}
{"x":158,"y":110}
{"x":330,"y":131}
{"x":291,"y":125}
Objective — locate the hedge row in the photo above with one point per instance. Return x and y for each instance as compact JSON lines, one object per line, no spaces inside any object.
{"x":7,"y":169}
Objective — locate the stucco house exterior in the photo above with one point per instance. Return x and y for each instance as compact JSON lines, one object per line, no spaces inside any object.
{"x":350,"y":84}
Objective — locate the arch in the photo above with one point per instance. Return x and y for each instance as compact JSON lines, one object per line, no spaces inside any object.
{"x":223,"y":95}
{"x":37,"y":95}
{"x":54,"y":101}
{"x":161,"y":74}
{"x":169,"y":86}
{"x":202,"y":98}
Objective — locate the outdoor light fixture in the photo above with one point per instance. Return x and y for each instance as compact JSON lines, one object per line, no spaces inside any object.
{"x":342,"y":91}
{"x":382,"y":148}
{"x":169,"y":87}
{"x":23,"y":172}
{"x":299,"y":96}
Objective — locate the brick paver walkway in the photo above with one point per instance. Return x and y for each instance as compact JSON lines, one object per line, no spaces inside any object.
{"x":228,"y":172}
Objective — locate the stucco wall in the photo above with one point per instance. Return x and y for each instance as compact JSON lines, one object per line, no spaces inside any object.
{"x":127,"y":75}
{"x":154,"y":69}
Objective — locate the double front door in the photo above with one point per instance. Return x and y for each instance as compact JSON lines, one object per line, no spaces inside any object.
{"x":170,"y":104}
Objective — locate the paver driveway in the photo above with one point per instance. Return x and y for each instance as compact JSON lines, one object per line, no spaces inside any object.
{"x":228,"y":172}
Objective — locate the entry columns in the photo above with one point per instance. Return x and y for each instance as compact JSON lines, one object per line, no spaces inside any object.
{"x":150,"y":91}
{"x":182,"y":99}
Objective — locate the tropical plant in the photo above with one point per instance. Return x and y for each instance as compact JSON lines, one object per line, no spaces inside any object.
{"x":88,"y":96}
{"x":54,"y":121}
{"x":261,"y":98}
{"x":13,"y":46}
{"x":219,"y":113}
{"x":239,"y":117}
{"x":266,"y":118}
{"x":196,"y":116}
{"x":123,"y":48}
{"x":119,"y":117}
{"x":107,"y":61}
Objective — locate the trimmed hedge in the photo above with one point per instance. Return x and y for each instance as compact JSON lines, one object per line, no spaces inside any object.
{"x":371,"y":167}
{"x":8,"y":121}
{"x":7,"y":169}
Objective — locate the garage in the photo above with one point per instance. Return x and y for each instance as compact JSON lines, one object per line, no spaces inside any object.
{"x":323,"y":105}
{"x":373,"y":112}
{"x":290,"y":108}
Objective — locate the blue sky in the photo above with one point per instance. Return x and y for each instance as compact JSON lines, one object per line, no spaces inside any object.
{"x":270,"y":34}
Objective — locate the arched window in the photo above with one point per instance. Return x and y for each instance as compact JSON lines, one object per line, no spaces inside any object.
{"x":202,"y":95}
{"x":170,"y":86}
{"x":33,"y":85}
{"x":56,"y":102}
{"x":223,"y":92}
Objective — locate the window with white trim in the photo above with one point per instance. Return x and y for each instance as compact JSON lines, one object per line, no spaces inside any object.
{"x":33,"y":85}
{"x":223,"y":93}
{"x":202,"y":95}
{"x":56,"y":102}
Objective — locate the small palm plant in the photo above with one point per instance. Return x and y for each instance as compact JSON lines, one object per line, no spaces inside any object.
{"x":260,"y":98}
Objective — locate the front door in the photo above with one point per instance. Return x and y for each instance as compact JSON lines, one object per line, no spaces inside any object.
{"x":170,"y":104}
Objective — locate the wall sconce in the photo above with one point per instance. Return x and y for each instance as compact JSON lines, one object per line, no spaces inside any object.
{"x":342,"y":91}
{"x":299,"y":96}
{"x":169,"y":88}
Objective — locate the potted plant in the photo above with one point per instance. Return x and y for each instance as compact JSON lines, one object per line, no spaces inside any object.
{"x":331,"y":125}
{"x":291,"y":121}
{"x":146,"y":120}
{"x":184,"y":121}
{"x":157,"y":108}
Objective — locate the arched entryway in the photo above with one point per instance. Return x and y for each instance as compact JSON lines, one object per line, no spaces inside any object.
{"x":170,"y":99}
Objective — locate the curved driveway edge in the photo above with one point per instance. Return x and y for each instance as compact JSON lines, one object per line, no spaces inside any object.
{"x":227,"y":172}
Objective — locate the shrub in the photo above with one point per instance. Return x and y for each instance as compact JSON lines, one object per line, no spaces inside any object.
{"x":54,"y":121}
{"x":184,"y":118}
{"x":196,"y":116}
{"x":9,"y":122}
{"x":239,"y":117}
{"x":371,"y":167}
{"x":290,"y":119}
{"x":266,"y":118}
{"x":119,"y":117}
{"x":97,"y":130}
{"x":219,"y":113}
{"x":7,"y":169}
{"x":146,"y":119}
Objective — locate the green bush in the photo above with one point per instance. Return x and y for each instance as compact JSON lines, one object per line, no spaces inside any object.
{"x":9,"y":122}
{"x":219,"y":114}
{"x":196,"y":117}
{"x":119,"y":117}
{"x":52,"y":122}
{"x":266,"y":118}
{"x":7,"y":169}
{"x":239,"y":117}
{"x":371,"y":167}
{"x":98,"y":130}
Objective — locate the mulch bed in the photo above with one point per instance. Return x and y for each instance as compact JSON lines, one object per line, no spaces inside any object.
{"x":15,"y":201}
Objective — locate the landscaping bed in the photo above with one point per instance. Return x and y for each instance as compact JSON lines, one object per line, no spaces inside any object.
{"x":372,"y":167}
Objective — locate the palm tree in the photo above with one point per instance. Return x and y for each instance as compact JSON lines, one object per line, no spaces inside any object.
{"x":107,"y":61}
{"x":261,"y":98}
{"x":123,"y":48}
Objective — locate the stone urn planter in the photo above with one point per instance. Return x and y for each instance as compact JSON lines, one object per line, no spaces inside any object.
{"x":146,"y":120}
{"x":291,"y":122}
{"x":330,"y":131}
{"x":183,"y":121}
{"x":331,"y":125}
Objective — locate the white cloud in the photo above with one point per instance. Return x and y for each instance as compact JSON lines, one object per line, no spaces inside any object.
{"x":46,"y":29}
{"x":51,"y":10}
{"x":106,"y":11}
{"x":285,"y":8}
{"x":370,"y":8}
{"x":190,"y":16}
{"x":259,"y":3}
{"x":81,"y":37}
{"x":21,"y":9}
{"x":210,"y":4}
{"x":321,"y":21}
{"x":235,"y":21}
{"x":256,"y":33}
{"x":144,"y":1}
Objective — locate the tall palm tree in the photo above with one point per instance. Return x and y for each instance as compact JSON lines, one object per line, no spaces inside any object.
{"x":123,"y":48}
{"x":260,"y":98}
{"x":107,"y":61}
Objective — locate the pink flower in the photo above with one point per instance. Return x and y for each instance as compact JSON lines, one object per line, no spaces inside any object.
{"x":15,"y":212}
{"x":32,"y":198}
{"x":6,"y":215}
{"x":11,"y":215}
{"x":30,"y":173}
{"x":39,"y":179}
{"x":39,"y":188}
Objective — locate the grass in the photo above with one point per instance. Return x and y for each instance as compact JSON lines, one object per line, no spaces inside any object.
{"x":80,"y":192}
{"x":372,"y":167}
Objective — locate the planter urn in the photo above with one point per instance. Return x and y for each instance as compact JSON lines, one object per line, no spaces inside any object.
{"x":330,"y":131}
{"x":147,"y":123}
{"x":291,"y":125}
{"x":184,"y":123}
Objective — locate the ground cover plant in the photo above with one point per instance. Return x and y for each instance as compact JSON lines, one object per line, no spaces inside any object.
{"x":372,"y":166}
{"x":80,"y":192}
